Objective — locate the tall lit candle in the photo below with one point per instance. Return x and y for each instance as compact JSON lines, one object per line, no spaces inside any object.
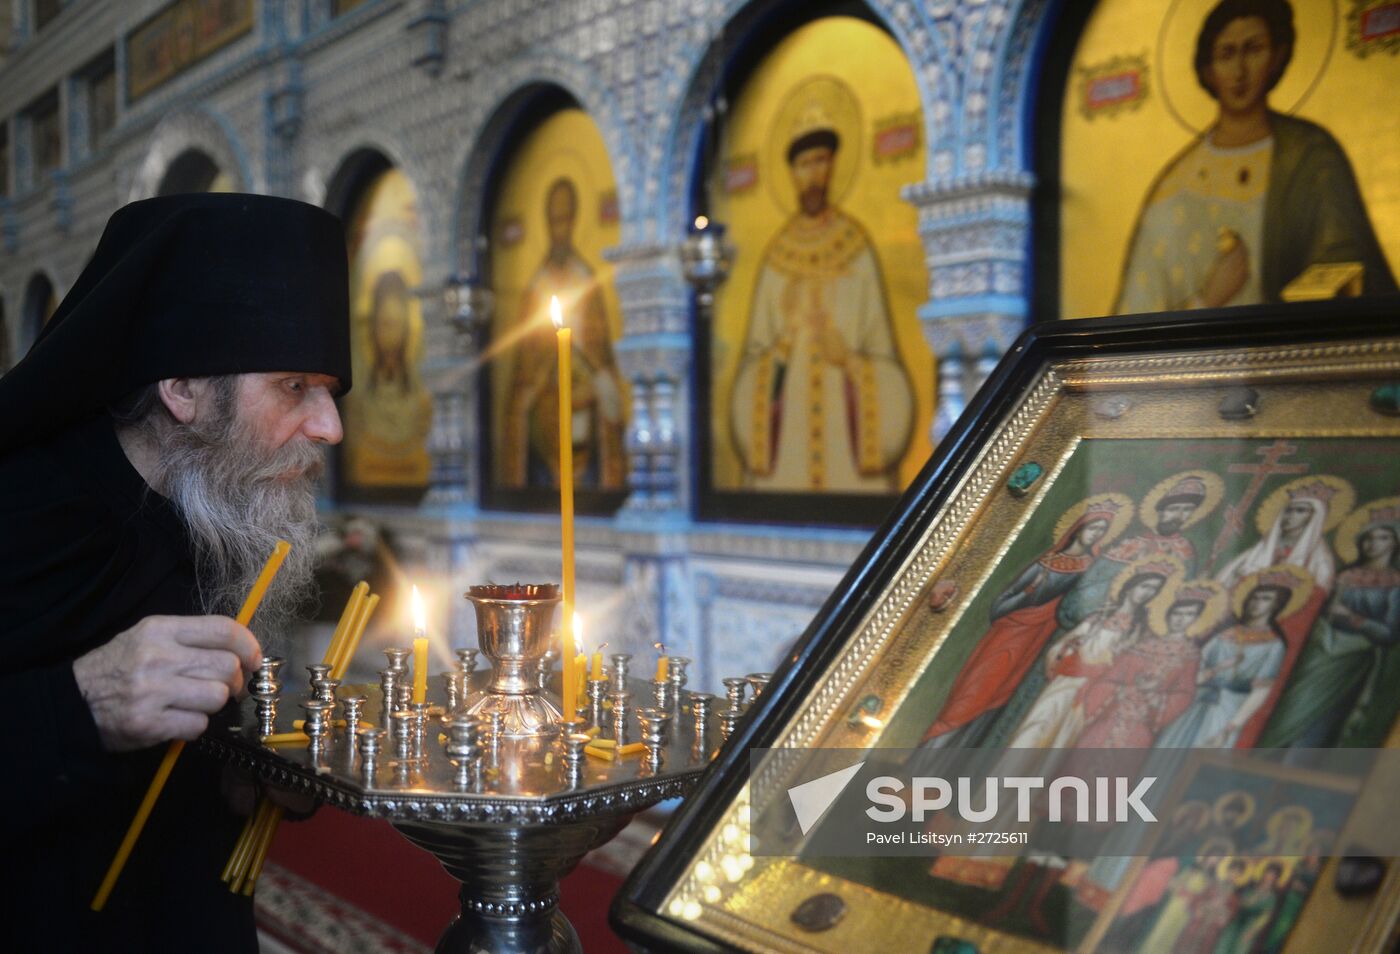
{"x":564,"y":337}
{"x":420,"y":650}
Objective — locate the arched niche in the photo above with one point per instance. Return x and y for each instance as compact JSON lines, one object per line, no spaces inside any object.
{"x":1155,"y":197}
{"x":549,"y":211}
{"x":818,"y":128}
{"x":194,"y":171}
{"x":388,"y":413}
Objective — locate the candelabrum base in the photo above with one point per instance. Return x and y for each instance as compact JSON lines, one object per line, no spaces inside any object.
{"x":510,"y":881}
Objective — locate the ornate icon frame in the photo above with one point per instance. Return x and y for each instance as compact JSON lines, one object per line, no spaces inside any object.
{"x":1324,"y":370}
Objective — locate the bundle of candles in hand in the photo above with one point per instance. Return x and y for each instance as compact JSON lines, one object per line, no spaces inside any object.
{"x":246,"y":863}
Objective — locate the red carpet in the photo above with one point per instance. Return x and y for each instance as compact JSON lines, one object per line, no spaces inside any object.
{"x":367,"y":864}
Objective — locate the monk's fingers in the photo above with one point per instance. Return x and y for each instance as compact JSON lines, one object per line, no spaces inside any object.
{"x":195,"y":695}
{"x":217,"y":632}
{"x":182,"y":724}
{"x":212,"y":664}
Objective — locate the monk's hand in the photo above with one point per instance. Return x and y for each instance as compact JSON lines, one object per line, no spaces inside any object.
{"x":162,"y":678}
{"x":1227,"y":275}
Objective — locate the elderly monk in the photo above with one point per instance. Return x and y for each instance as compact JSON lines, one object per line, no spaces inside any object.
{"x":164,"y":431}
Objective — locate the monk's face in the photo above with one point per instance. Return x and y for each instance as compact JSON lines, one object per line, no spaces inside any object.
{"x":811,"y":176}
{"x":1242,"y":65}
{"x":282,"y":410}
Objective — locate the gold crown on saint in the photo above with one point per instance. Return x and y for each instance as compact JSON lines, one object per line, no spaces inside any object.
{"x":812,"y":118}
{"x":1317,"y":490}
{"x":1277,"y":578}
{"x":1382,"y":515}
{"x":1198,"y":594}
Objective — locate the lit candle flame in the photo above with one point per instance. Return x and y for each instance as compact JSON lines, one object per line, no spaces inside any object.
{"x":701,"y":223}
{"x":420,"y":617}
{"x":871,"y":722}
{"x":578,"y":633}
{"x":556,"y":311}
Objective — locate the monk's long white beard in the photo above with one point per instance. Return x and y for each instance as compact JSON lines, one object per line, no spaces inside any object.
{"x":236,"y":503}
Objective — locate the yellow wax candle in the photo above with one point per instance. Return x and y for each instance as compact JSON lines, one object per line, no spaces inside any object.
{"x":564,"y":338}
{"x":663,"y":668}
{"x":172,"y":754}
{"x":346,"y":624}
{"x":581,"y":667}
{"x":352,"y":638}
{"x":420,"y":669}
{"x":420,"y":650}
{"x":595,"y":670}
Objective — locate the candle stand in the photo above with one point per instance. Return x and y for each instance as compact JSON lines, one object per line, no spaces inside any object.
{"x":508,"y":806}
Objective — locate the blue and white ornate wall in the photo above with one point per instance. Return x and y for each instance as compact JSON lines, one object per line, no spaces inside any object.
{"x":434,"y":86}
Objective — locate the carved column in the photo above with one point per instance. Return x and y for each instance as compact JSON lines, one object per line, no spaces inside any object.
{"x":975,"y":232}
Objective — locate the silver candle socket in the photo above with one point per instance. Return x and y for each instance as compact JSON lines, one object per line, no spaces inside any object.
{"x":464,"y":748}
{"x":420,"y":725}
{"x":466,"y":660}
{"x":758,"y":681}
{"x":398,"y":658}
{"x":620,"y":663}
{"x":574,"y":756}
{"x":317,"y":724}
{"x":403,"y":693}
{"x":368,"y":741}
{"x":654,"y":722}
{"x":401,"y":723}
{"x":318,"y":671}
{"x":700,"y":703}
{"x":676,"y":674}
{"x":265,"y":689}
{"x":620,"y":699}
{"x":734,"y":688}
{"x":454,"y":683}
{"x":662,"y":692}
{"x":497,"y":722}
{"x":325,"y":689}
{"x":388,"y":690}
{"x":728,"y":719}
{"x":597,"y":690}
{"x":353,"y":707}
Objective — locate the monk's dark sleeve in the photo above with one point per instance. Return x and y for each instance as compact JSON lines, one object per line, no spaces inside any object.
{"x":66,"y":578}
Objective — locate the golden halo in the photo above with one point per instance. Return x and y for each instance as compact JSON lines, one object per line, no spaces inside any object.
{"x":1215,"y":490}
{"x":1300,"y":591}
{"x":843,"y":109}
{"x":1192,"y":107}
{"x":1296,"y":811}
{"x":1116,"y":527}
{"x":1337,"y":508}
{"x":1235,"y":796}
{"x":1177,"y":571}
{"x":1211,"y":613}
{"x":1350,"y":528}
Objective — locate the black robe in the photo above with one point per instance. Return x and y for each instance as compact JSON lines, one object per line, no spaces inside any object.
{"x":86,"y":551}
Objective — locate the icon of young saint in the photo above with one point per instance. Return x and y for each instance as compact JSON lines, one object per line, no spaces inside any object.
{"x":821,"y":400}
{"x":1023,"y":619}
{"x":1190,"y":890}
{"x":1242,"y":665}
{"x":530,"y":441}
{"x":1256,"y":199}
{"x":1345,"y":689}
{"x":1055,"y":719}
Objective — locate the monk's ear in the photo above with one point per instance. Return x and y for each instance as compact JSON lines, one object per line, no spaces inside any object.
{"x":180,"y":397}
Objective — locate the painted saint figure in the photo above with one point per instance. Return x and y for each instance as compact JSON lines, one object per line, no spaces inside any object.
{"x":1346,"y":687}
{"x":530,"y":440}
{"x":821,"y":400}
{"x":1239,"y":665}
{"x":1256,"y":199}
{"x":1089,"y":650}
{"x":1023,"y":619}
